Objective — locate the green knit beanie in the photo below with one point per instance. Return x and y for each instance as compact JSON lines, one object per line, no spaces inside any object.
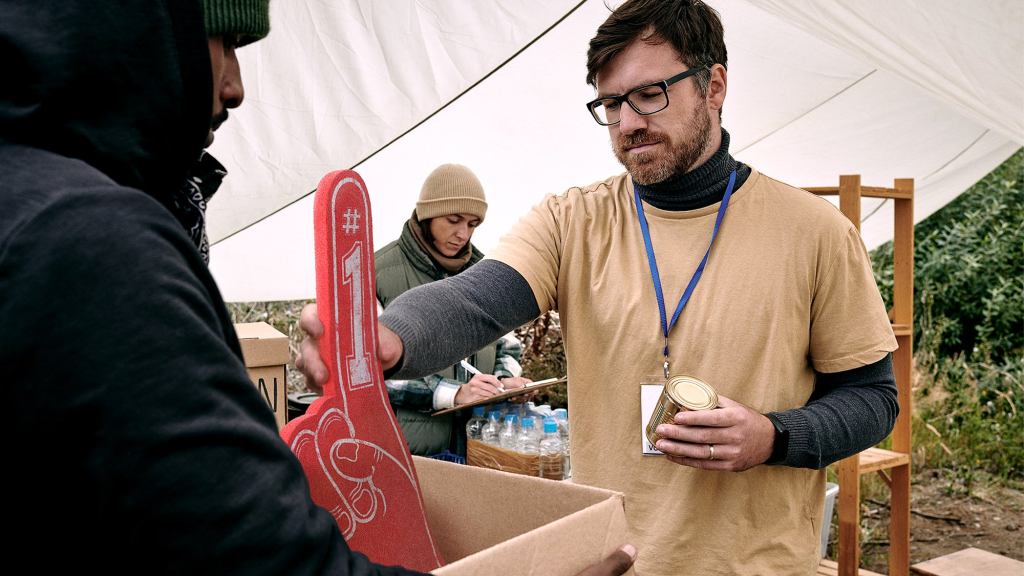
{"x":451,"y":189}
{"x":249,"y":19}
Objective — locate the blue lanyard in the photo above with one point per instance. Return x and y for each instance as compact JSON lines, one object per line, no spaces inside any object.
{"x":666,"y":326}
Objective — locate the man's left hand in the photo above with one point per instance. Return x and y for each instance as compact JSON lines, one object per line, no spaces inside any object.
{"x":733,"y":437}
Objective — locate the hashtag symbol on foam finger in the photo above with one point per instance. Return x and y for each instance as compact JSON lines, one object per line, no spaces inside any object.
{"x":351,"y":225}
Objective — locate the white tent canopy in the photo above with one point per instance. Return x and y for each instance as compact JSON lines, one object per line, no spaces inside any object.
{"x":817,"y":88}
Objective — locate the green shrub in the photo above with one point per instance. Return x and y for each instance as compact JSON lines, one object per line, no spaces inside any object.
{"x":968,"y":260}
{"x":969,"y":329}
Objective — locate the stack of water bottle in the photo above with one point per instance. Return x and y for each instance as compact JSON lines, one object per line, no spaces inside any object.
{"x":520,"y":438}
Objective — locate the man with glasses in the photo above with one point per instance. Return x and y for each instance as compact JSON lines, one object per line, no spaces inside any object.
{"x":779,"y":312}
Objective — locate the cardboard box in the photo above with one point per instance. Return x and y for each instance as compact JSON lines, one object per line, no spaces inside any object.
{"x":490,"y":522}
{"x":266,"y":355}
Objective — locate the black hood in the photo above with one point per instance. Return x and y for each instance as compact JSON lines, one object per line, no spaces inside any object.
{"x":124,"y":86}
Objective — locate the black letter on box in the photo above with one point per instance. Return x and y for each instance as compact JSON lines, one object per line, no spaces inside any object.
{"x":270,"y":398}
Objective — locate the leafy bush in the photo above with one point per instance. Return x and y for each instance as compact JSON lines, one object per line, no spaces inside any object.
{"x":968,"y":259}
{"x":969,"y":329}
{"x":971,"y":417}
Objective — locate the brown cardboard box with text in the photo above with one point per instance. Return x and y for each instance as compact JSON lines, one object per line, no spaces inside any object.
{"x":266,"y":355}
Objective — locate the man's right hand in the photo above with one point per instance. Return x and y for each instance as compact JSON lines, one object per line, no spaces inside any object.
{"x":616,"y":564}
{"x":313,"y":367}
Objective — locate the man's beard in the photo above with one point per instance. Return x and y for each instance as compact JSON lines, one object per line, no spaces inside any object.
{"x":648,"y":168}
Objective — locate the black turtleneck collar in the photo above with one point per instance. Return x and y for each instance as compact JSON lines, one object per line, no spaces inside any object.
{"x":700,"y":187}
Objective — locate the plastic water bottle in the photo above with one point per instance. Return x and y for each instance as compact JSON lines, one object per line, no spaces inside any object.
{"x":528,"y":440}
{"x":538,"y":426}
{"x":552,"y":456}
{"x":489,"y":433}
{"x":475,"y":425}
{"x":509,"y":431}
{"x":562,"y":418}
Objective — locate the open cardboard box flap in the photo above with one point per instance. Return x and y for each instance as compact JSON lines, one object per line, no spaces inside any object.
{"x":486,"y":521}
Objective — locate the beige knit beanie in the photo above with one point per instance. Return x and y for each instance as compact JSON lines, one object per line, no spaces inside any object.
{"x":451,"y":189}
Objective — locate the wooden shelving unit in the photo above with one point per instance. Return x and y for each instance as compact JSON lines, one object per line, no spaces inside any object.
{"x":892,"y":465}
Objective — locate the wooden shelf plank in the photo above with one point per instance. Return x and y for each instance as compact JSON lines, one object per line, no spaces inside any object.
{"x":830,"y":568}
{"x":865,"y":191}
{"x":874,"y":459}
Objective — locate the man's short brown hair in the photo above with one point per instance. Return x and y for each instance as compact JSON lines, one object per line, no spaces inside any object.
{"x":690,"y":26}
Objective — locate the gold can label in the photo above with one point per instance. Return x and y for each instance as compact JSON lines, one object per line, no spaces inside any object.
{"x":680,"y":393}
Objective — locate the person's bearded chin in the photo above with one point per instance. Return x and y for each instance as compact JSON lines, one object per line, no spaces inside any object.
{"x":643,"y":166}
{"x":648,"y":168}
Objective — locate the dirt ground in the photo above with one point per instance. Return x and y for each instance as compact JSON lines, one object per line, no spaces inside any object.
{"x":944,"y":520}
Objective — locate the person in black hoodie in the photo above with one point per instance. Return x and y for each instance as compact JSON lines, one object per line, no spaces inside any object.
{"x":138,"y":443}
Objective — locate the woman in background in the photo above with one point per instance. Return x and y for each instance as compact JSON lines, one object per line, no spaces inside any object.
{"x":435,"y":244}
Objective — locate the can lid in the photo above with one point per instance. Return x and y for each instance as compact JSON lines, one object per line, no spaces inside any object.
{"x":691,"y":393}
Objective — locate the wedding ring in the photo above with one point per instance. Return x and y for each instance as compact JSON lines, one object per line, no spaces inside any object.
{"x":711,"y":451}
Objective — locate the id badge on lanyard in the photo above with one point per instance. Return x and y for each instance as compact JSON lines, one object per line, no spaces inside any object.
{"x":650,"y":392}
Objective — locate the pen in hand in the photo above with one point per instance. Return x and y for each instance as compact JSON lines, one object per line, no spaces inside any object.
{"x":473,"y":370}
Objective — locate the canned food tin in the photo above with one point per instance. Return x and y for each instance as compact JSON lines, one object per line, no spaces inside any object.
{"x":680,"y":393}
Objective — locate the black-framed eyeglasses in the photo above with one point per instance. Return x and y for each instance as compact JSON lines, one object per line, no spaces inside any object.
{"x":645,"y":100}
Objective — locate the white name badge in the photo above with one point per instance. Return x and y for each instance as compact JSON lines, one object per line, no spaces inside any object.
{"x":649,"y":394}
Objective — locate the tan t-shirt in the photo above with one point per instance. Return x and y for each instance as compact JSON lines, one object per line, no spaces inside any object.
{"x":788,"y":289}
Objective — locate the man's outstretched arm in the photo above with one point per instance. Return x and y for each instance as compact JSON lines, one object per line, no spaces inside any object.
{"x":473,"y":309}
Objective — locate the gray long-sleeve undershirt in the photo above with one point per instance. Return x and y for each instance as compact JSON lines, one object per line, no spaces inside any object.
{"x":848,"y":411}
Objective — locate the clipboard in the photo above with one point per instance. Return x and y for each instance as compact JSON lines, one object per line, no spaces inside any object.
{"x":530,"y":387}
